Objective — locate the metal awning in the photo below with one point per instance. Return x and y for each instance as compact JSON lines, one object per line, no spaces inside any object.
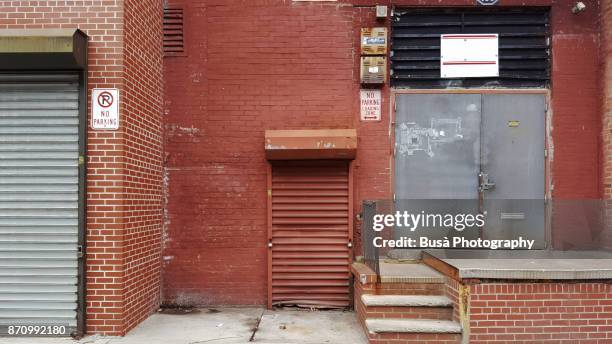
{"x":36,"y":49}
{"x":311,"y":144}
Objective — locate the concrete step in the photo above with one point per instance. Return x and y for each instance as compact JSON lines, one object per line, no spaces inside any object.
{"x":387,"y":312}
{"x":377,"y":326}
{"x":410,"y":288}
{"x":406,"y":301}
{"x":407,"y":307}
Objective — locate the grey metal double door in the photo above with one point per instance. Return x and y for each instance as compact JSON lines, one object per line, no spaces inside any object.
{"x":485,"y":152}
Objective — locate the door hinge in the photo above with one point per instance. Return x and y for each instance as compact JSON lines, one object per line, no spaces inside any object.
{"x":80,"y":251}
{"x":545,"y":153}
{"x":395,"y":106}
{"x":393,"y":197}
{"x":81,"y":159}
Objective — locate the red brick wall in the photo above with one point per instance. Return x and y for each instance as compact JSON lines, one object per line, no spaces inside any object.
{"x":452,"y":290}
{"x":576,"y":126}
{"x":606,"y":144}
{"x":105,"y":156}
{"x":606,"y":65}
{"x":251,"y":66}
{"x":143,"y":87}
{"x":123,"y":171}
{"x":541,"y":313}
{"x":576,"y":119}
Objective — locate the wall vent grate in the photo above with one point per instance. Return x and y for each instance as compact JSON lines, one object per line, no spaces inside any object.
{"x":524,"y":45}
{"x":174,"y":38}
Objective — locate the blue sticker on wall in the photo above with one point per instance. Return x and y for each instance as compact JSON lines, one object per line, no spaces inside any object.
{"x":487,"y":2}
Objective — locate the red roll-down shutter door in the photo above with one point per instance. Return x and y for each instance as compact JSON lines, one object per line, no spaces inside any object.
{"x":309,"y":232}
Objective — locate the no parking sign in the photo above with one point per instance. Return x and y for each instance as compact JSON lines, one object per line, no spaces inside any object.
{"x":105,"y":109}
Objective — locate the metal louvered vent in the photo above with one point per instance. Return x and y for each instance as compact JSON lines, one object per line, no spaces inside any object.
{"x":310,"y":234}
{"x":523,"y":46}
{"x":174,"y":42}
{"x":39,"y":190}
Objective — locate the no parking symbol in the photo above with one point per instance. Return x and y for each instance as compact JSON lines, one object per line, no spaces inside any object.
{"x":105,"y":109}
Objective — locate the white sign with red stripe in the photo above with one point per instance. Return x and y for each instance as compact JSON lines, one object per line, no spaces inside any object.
{"x":469,"y":55}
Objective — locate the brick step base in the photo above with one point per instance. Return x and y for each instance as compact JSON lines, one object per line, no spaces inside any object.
{"x":404,"y":312}
{"x":412,"y":338}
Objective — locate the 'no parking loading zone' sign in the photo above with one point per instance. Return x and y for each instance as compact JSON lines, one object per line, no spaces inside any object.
{"x":105,"y":109}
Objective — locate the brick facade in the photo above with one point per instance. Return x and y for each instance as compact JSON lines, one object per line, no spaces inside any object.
{"x":294,"y":65}
{"x":606,"y":102}
{"x":272,"y":64}
{"x":524,"y":312}
{"x":576,"y":119}
{"x":606,"y":82}
{"x":495,"y":312}
{"x":246,"y":70}
{"x":143,"y":199}
{"x":123,"y":167}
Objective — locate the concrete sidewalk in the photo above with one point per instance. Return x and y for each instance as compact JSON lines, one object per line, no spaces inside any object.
{"x":231,"y":325}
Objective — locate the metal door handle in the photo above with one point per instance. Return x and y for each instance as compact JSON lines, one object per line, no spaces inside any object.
{"x":485,"y":184}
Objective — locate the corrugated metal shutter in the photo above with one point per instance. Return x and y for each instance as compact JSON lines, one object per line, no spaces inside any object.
{"x":524,"y":56}
{"x":310,"y":234}
{"x":39,"y":148}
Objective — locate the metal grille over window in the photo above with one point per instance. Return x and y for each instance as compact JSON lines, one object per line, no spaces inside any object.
{"x":173,"y":31}
{"x":524,"y":55}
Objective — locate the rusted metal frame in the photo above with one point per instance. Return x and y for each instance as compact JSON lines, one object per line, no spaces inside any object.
{"x":350,"y":210}
{"x":441,"y":266}
{"x":351,"y":173}
{"x":269,"y":229}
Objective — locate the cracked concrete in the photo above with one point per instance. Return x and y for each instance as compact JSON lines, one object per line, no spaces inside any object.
{"x":231,"y":325}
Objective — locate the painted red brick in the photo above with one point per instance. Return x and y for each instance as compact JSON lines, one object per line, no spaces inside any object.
{"x":606,"y":102}
{"x":257,"y":65}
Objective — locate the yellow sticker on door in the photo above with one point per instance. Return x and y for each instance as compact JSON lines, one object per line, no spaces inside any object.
{"x":513,"y":124}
